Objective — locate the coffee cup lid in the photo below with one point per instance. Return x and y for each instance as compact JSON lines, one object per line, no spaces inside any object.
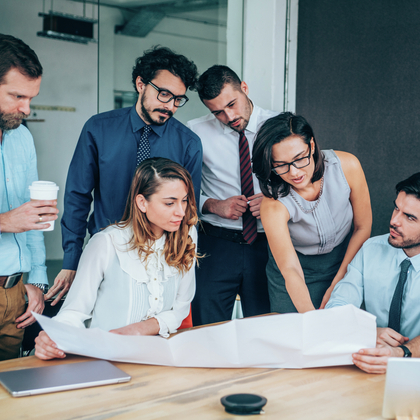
{"x":44,"y":185}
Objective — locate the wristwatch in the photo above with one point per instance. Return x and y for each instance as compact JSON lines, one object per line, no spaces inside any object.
{"x":44,"y":287}
{"x":407,"y":353}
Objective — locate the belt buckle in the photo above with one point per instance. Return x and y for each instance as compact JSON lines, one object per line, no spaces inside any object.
{"x":12,"y":280}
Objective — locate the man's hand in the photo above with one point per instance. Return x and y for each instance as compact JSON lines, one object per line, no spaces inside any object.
{"x":27,"y":216}
{"x":387,"y":336}
{"x":376,"y":360}
{"x":231,"y":208}
{"x":46,"y":349}
{"x":255,"y":204}
{"x":62,"y":282}
{"x":35,"y":304}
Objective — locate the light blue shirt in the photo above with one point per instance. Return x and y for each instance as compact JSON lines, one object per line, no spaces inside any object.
{"x":372,"y":277}
{"x":19,"y":252}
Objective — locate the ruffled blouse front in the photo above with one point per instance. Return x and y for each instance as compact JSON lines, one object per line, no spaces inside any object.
{"x":114,"y":288}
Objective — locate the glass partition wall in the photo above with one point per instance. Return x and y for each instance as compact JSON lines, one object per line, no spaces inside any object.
{"x":197,"y":30}
{"x":83,"y":78}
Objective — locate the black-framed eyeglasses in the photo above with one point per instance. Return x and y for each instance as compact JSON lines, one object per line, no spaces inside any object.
{"x":298,"y":164}
{"x":166,"y":96}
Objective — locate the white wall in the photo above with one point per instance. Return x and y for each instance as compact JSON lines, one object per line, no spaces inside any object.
{"x":272,"y":84}
{"x":70,"y":79}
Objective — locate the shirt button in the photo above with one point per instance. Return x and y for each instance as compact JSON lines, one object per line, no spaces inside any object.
{"x":155,"y":298}
{"x":7,"y":179}
{"x":10,"y":206}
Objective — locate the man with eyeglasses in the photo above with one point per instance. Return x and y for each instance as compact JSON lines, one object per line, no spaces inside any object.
{"x":231,"y":234}
{"x":113,"y":143}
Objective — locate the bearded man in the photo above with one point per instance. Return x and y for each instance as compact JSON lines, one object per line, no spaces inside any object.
{"x":113,"y":143}
{"x":385,"y":275}
{"x":22,"y":247}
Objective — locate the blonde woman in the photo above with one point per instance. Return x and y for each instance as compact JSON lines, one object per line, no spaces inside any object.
{"x":137,"y":277}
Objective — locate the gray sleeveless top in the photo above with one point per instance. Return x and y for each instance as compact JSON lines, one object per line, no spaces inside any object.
{"x":320,"y":231}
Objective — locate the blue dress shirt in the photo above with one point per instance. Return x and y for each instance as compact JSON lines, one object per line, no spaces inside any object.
{"x":104,"y":163}
{"x":19,"y":252}
{"x":372,"y":277}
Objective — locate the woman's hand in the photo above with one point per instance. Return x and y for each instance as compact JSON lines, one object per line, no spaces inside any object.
{"x":46,"y":349}
{"x":327,"y":296}
{"x":148,"y":327}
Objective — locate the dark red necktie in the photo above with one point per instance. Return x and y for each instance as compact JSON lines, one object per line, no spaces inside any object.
{"x":249,"y":222}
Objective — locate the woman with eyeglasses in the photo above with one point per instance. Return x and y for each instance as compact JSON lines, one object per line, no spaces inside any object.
{"x":316,"y":212}
{"x":137,"y":277}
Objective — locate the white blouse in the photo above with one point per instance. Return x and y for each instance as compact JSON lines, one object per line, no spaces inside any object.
{"x":113,"y":288}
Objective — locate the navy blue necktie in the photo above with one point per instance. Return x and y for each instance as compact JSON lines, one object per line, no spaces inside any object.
{"x":394,"y":320}
{"x":143,"y":149}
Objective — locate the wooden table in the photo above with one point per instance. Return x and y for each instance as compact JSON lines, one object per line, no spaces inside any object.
{"x":158,"y":392}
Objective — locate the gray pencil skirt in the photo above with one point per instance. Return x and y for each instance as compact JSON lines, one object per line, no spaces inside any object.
{"x":319,"y":271}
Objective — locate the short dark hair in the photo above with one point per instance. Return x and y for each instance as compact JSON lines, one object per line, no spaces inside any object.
{"x":213,"y":80}
{"x":273,"y":131}
{"x":162,"y":58}
{"x":410,"y":185}
{"x":15,"y":53}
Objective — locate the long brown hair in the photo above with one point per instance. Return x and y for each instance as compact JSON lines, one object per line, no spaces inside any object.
{"x":179,"y":248}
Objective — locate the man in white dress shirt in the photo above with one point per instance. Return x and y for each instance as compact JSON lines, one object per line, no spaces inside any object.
{"x":236,"y":255}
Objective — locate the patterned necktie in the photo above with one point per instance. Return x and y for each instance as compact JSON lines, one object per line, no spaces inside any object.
{"x":394,"y":321}
{"x":143,"y":149}
{"x":249,"y":222}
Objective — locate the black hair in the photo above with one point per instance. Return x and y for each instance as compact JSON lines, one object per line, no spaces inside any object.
{"x":273,"y":131}
{"x":212,"y":81}
{"x":410,"y":185}
{"x":15,"y":53}
{"x":162,"y":58}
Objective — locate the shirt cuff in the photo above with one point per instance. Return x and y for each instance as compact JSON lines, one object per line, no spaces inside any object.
{"x":163,"y":328}
{"x":203,"y":199}
{"x":71,"y":260}
{"x":38,"y":275}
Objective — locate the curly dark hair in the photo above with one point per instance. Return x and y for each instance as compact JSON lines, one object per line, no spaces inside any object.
{"x":273,"y":131}
{"x":162,"y":58}
{"x":213,"y":80}
{"x":15,"y":53}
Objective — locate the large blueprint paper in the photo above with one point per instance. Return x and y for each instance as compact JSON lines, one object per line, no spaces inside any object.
{"x":317,"y":338}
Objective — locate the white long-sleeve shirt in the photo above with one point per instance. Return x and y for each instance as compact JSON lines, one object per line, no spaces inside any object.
{"x":114,"y":288}
{"x":221,"y":175}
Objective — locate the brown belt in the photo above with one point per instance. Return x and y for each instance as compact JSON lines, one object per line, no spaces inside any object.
{"x":3,"y":279}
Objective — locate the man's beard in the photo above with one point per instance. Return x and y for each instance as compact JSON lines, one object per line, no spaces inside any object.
{"x":405,"y":244}
{"x":148,"y":117}
{"x":11,"y":121}
{"x":241,"y":127}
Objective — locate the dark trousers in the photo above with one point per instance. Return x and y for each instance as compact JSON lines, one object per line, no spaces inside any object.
{"x":229,"y":269}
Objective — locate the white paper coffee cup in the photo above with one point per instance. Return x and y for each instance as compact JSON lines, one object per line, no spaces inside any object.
{"x":44,"y":190}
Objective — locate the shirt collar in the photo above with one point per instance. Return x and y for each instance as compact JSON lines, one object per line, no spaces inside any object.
{"x":252,"y":123}
{"x":415,"y":261}
{"x":137,"y":123}
{"x":401,"y":256}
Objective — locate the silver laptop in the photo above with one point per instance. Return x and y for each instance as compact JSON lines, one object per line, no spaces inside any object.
{"x":42,"y":380}
{"x":402,"y":388}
